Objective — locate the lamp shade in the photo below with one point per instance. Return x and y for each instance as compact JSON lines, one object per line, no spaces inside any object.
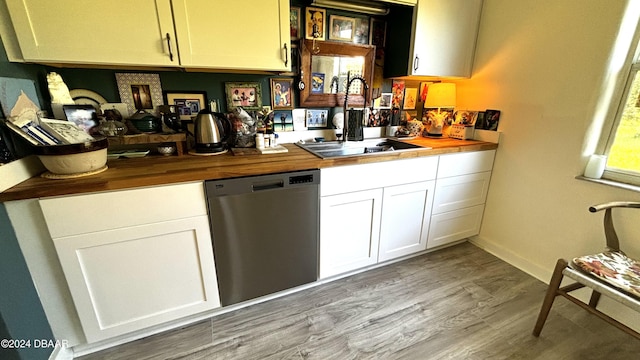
{"x":441,"y":95}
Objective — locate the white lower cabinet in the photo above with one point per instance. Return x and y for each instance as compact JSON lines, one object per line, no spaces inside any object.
{"x":406,"y":212}
{"x":461,"y":191}
{"x":125,"y":274}
{"x":349,"y":231}
{"x":455,"y":225}
{"x":376,"y":212}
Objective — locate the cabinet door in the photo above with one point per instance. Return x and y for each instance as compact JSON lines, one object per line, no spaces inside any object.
{"x":134,"y":277}
{"x":349,"y":231}
{"x":454,"y":225}
{"x":406,"y":212}
{"x":461,"y":191}
{"x":233,"y":34}
{"x":98,"y":32}
{"x":445,"y":35}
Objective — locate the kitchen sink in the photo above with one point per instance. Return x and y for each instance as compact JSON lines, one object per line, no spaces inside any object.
{"x":333,"y":149}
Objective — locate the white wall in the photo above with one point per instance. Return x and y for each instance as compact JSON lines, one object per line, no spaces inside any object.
{"x":543,"y":63}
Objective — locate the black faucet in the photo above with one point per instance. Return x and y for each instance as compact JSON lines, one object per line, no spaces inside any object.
{"x":346,"y":99}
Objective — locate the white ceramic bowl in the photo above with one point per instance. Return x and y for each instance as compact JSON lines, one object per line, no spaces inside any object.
{"x":74,"y":158}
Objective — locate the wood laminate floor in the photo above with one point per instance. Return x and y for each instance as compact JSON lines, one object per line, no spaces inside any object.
{"x":456,"y":303}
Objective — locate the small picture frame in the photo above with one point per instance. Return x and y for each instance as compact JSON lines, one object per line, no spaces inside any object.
{"x":84,"y":116}
{"x":491,"y":119}
{"x":281,"y":94}
{"x":465,"y":117}
{"x":361,"y":33}
{"x":424,"y":89}
{"x":341,"y":28}
{"x":140,"y":91}
{"x":245,"y":95}
{"x":317,"y":118}
{"x":410,"y":98}
{"x":294,"y":22}
{"x":397,"y":91}
{"x":188,"y":103}
{"x":385,"y":100}
{"x":282,"y":120}
{"x":378,"y":32}
{"x":317,"y":83}
{"x":315,"y":23}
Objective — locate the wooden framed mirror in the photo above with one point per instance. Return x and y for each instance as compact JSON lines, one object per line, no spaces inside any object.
{"x":324,"y":70}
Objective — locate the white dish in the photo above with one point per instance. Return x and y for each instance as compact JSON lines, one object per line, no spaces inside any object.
{"x":127,"y":154}
{"x":87,"y":97}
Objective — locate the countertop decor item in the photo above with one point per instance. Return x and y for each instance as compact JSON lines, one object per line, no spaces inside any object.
{"x":166,"y":149}
{"x":187,"y":103}
{"x":140,"y":91}
{"x":74,"y":159}
{"x":145,"y":122}
{"x":245,"y":95}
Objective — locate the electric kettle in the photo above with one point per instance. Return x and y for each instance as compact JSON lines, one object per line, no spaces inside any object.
{"x":211,"y":131}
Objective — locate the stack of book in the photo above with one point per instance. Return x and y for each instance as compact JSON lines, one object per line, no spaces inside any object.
{"x":49,"y":131}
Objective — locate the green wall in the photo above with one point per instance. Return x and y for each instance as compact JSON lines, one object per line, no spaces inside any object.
{"x":21,"y":312}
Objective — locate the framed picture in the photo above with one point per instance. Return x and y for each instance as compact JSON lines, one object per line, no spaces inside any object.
{"x":378,"y":32}
{"x":385,"y":101}
{"x":317,"y":118}
{"x":188,"y":103}
{"x":315,"y":23}
{"x":317,"y":83}
{"x":281,"y":94}
{"x":424,"y":89}
{"x":410,"y":97}
{"x":480,"y":120}
{"x":397,"y":91}
{"x":294,"y":22}
{"x":245,"y":95}
{"x":282,"y":120}
{"x":19,"y":98}
{"x":140,"y":91}
{"x":361,"y":33}
{"x":82,"y":115}
{"x":341,"y":27}
{"x":465,"y":117}
{"x":491,"y":119}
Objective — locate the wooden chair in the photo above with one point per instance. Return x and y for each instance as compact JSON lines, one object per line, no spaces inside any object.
{"x":610,"y":273}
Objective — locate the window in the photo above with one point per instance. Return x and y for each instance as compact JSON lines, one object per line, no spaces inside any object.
{"x":624,"y":147}
{"x":623,"y":143}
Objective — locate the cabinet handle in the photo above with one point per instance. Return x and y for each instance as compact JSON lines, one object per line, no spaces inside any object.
{"x":415,"y":63}
{"x":169,"y":46}
{"x":286,"y":55}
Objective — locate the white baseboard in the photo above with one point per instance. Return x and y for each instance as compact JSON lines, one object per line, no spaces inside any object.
{"x":535,"y":270}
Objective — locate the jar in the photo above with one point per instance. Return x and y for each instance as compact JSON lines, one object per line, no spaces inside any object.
{"x":259,"y":141}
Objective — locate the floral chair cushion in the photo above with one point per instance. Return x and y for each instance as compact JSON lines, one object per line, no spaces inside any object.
{"x":613,"y":267}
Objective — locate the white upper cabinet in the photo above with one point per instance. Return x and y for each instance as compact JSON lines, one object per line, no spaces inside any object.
{"x":233,"y":34}
{"x":442,"y":39}
{"x":213,"y":34}
{"x":98,"y":32}
{"x":402,"y":2}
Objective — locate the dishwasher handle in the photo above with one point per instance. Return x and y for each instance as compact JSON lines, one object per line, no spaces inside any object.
{"x":268,"y":185}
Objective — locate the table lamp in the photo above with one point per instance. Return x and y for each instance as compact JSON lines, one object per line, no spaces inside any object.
{"x":439,"y":95}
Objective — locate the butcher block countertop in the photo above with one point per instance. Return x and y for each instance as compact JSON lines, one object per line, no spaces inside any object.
{"x":162,"y":170}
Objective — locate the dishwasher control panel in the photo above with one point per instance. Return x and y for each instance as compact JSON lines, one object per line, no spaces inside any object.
{"x":301,"y":179}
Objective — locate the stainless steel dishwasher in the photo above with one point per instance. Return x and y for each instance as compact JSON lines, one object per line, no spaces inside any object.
{"x":265,"y":233}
